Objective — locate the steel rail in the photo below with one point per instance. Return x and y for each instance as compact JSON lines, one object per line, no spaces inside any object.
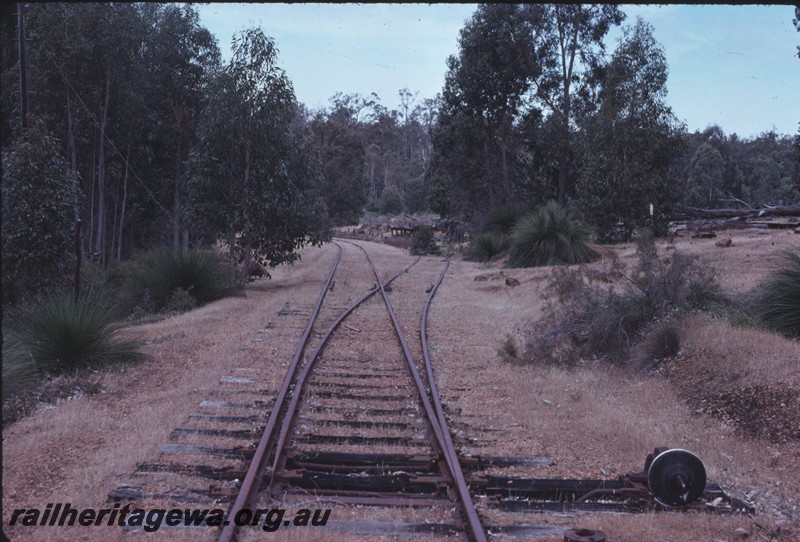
{"x":251,"y":483}
{"x":472,"y":522}
{"x":291,"y":412}
{"x":255,"y":473}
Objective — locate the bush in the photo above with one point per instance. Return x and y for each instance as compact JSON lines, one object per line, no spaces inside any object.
{"x":153,"y":279}
{"x":548,"y":237}
{"x":485,"y":247}
{"x":501,"y":220}
{"x":663,"y":342}
{"x":508,"y":351}
{"x":39,"y":193}
{"x":423,"y":242}
{"x":57,"y":334}
{"x":391,"y":201}
{"x":591,"y":321}
{"x":778,"y":306}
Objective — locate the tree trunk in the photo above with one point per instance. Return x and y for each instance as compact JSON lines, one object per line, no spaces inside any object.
{"x":176,"y":218}
{"x":566,"y":70}
{"x":246,"y":234}
{"x":124,"y":201}
{"x":101,"y":176}
{"x":92,"y":179}
{"x":72,"y":151}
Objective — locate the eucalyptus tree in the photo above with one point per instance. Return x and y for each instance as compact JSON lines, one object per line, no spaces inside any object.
{"x":179,"y":53}
{"x":40,"y":193}
{"x":630,"y":144}
{"x":570,"y":52}
{"x":704,"y":183}
{"x":337,"y":139}
{"x":86,"y":70}
{"x":481,"y":99}
{"x":252,"y":184}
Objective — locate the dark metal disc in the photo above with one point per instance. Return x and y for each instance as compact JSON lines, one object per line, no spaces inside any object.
{"x":676,"y":478}
{"x":584,"y":535}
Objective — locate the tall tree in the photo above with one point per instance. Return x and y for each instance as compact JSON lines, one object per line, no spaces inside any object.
{"x":179,"y":54}
{"x":570,"y":49}
{"x":705,"y":177}
{"x":632,"y":141}
{"x":40,"y":193}
{"x":253,"y":184}
{"x":338,"y":142}
{"x":481,"y":100}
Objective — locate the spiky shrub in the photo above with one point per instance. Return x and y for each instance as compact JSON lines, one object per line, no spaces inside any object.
{"x":778,"y":306}
{"x":56,"y":334}
{"x":485,"y":247}
{"x":502,"y":219}
{"x":508,"y":352}
{"x":152,"y":281}
{"x":549,"y":237}
{"x":423,"y":242}
{"x":596,"y":313}
{"x":662,"y":342}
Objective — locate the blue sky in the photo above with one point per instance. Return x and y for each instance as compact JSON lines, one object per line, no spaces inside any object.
{"x":735,"y":66}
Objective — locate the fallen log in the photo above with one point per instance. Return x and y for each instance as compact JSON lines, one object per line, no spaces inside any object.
{"x":780,"y":210}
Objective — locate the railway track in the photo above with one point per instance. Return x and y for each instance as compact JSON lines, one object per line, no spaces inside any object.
{"x":356,"y":423}
{"x":355,"y":407}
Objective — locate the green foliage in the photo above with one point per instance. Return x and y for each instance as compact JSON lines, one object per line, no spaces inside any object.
{"x":778,"y":306}
{"x":485,"y":247}
{"x":548,"y":237}
{"x":502,"y":219}
{"x":252,"y":184}
{"x":55,"y":334}
{"x":423,"y":242}
{"x":630,"y":144}
{"x":474,"y":164}
{"x":602,"y":313}
{"x":161,"y":279}
{"x":726,"y":171}
{"x":391,"y":201}
{"x":341,"y":156}
{"x":40,"y":195}
{"x":705,"y":177}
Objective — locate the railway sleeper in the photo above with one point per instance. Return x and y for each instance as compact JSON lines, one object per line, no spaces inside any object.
{"x":355,"y":439}
{"x":227,"y":419}
{"x":237,"y":452}
{"x":365,"y":412}
{"x":374,"y":483}
{"x":226,"y":433}
{"x":408,"y":462}
{"x":363,"y":424}
{"x":357,"y":397}
{"x":203,"y":471}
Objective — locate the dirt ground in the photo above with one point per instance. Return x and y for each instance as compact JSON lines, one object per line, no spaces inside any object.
{"x":719,"y":399}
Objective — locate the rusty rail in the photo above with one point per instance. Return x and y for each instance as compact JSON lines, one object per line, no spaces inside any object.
{"x":472,"y":523}
{"x":252,"y":481}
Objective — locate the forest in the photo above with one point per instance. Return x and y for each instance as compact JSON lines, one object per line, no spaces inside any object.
{"x":123,"y":130}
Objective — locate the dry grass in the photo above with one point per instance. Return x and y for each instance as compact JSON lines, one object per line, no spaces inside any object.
{"x":594,"y":418}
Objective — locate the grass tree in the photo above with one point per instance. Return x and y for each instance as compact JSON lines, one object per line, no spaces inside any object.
{"x":549,"y":237}
{"x":778,"y":307}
